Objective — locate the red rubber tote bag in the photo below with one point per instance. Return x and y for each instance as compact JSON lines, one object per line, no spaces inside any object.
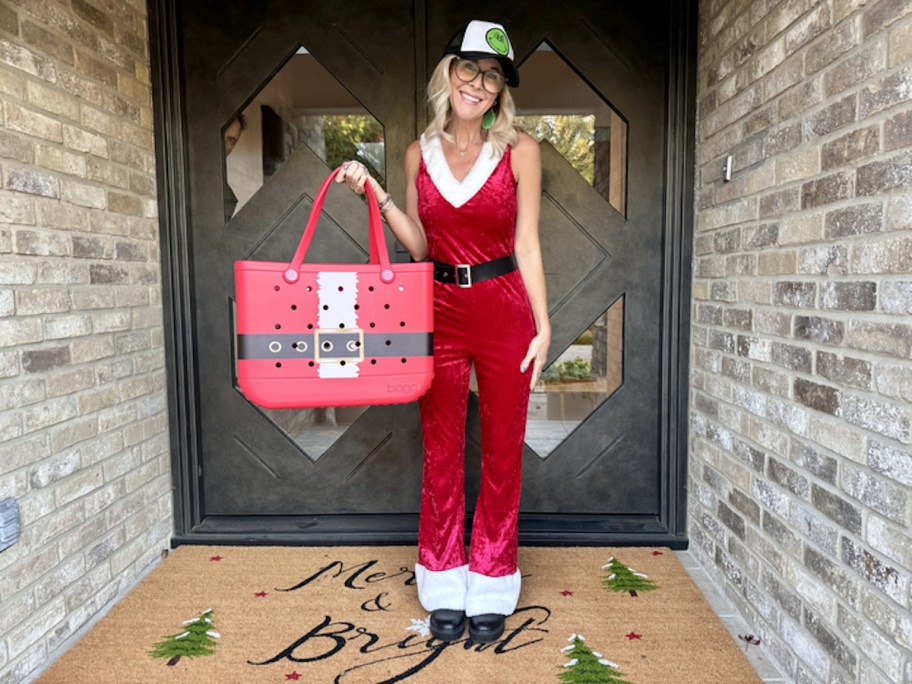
{"x":312,"y":335}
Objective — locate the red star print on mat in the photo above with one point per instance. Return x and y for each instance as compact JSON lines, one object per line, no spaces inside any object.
{"x":261,"y":594}
{"x":566,"y":593}
{"x":657,"y":553}
{"x":293,"y":675}
{"x":633,"y":635}
{"x":215,"y":558}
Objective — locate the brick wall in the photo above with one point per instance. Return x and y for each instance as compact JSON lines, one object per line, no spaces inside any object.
{"x":83,"y":425}
{"x":801,"y":388}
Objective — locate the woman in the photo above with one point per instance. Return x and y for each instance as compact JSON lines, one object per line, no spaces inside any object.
{"x":472,"y":206}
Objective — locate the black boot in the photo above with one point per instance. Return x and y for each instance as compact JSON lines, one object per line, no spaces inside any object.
{"x":484,"y":629}
{"x":447,"y":625}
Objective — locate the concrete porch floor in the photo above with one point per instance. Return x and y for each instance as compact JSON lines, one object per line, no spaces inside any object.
{"x":733,"y":620}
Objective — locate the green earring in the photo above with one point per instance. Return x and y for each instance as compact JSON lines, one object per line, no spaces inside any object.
{"x":488,"y":119}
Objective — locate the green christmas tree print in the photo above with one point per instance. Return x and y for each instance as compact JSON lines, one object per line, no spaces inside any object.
{"x":622,"y":578}
{"x":587,"y":666}
{"x":197,"y":638}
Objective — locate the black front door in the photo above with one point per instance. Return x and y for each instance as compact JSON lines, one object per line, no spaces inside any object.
{"x":602,"y":87}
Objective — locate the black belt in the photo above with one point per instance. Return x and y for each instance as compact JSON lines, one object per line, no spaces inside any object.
{"x":465,"y":275}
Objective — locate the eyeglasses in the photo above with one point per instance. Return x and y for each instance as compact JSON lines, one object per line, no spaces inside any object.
{"x":467,"y":71}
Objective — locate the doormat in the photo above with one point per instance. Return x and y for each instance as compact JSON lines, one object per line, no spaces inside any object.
{"x":351,"y":615}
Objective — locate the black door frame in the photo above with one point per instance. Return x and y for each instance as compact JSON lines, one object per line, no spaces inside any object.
{"x":668,"y":529}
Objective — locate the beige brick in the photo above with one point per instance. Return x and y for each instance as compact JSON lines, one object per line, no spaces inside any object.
{"x":58,"y":159}
{"x":49,"y":413}
{"x":133,"y":89}
{"x":86,"y":350}
{"x":801,"y":229}
{"x":12,"y":83}
{"x":126,"y":154}
{"x":760,"y":179}
{"x":7,"y":303}
{"x":96,"y":69}
{"x":839,"y":437}
{"x":15,"y":147}
{"x":124,"y":204}
{"x":15,"y":333}
{"x":133,"y":296}
{"x":112,"y":321}
{"x":899,"y":212}
{"x":117,"y":418}
{"x":94,"y":401}
{"x":19,"y":210}
{"x":42,"y":300}
{"x":756,"y":292}
{"x":776,"y":263}
{"x":108,"y":173}
{"x":83,"y":141}
{"x":17,"y":272}
{"x":82,"y":483}
{"x":52,"y":100}
{"x":142,"y":73}
{"x":63,"y":271}
{"x":83,"y":195}
{"x":9,"y":365}
{"x":109,"y":124}
{"x":108,"y":224}
{"x":901,"y":44}
{"x":66,"y":327}
{"x":69,"y":381}
{"x":30,"y":122}
{"x":61,"y":216}
{"x":93,"y":297}
{"x":798,"y":165}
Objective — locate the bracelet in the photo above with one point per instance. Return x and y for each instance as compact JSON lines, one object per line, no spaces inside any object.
{"x":386,"y":204}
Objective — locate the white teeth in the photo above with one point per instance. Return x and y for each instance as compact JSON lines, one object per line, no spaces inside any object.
{"x":469,"y":98}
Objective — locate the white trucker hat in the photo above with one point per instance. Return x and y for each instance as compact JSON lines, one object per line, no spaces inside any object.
{"x":484,"y":39}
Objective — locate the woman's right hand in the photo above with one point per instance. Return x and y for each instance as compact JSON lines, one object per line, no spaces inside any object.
{"x":355,"y":175}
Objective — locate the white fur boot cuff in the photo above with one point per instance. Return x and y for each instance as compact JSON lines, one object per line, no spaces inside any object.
{"x":492,"y":594}
{"x":442,"y":589}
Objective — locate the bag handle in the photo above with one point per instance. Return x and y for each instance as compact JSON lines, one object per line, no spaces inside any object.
{"x":378,"y":253}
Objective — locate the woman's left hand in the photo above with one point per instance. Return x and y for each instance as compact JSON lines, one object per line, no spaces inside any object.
{"x":538,"y":352}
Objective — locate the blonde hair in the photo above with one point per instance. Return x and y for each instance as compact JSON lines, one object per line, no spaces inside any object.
{"x":501,"y":134}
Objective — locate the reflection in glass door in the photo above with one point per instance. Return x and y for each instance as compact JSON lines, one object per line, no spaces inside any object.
{"x":302,"y":105}
{"x":557,"y":106}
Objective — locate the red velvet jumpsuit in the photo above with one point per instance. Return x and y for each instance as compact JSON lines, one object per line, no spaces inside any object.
{"x":488,"y":325}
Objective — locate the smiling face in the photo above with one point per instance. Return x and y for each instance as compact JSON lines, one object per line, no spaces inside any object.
{"x":471,"y":100}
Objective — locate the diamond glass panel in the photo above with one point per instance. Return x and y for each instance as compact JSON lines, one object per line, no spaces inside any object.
{"x":577,"y":382}
{"x":303,"y":104}
{"x":555,"y":104}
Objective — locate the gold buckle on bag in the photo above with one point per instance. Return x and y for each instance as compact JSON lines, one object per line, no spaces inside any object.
{"x":337,"y":345}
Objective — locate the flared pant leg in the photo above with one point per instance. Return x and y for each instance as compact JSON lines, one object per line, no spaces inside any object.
{"x":503,"y":394}
{"x":441,"y":571}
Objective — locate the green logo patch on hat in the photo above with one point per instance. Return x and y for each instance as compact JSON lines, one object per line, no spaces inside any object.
{"x":497,"y":39}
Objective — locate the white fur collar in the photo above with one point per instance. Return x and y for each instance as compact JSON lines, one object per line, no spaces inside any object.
{"x":454,"y":191}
